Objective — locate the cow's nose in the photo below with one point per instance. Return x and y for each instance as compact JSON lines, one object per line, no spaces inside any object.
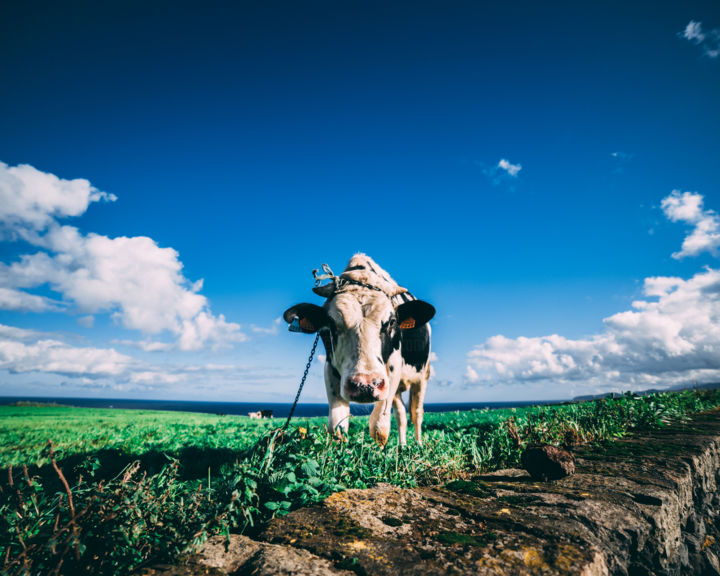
{"x":366,"y":387}
{"x":365,"y":380}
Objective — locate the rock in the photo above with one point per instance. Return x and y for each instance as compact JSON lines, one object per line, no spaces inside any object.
{"x":241,"y":555}
{"x":227,"y":556}
{"x":273,"y":560}
{"x":548,"y":462}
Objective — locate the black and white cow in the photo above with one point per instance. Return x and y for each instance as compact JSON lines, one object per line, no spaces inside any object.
{"x":377,"y":343}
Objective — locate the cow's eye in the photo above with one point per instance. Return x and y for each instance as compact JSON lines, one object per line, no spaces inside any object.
{"x":389,"y":326}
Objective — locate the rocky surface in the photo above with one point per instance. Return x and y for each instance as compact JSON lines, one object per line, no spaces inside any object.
{"x":644,"y":505}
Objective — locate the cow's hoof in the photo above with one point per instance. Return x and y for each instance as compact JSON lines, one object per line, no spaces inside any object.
{"x":381,"y":436}
{"x":339,"y":434}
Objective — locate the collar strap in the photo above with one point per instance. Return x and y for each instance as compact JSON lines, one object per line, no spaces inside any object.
{"x":340,"y":281}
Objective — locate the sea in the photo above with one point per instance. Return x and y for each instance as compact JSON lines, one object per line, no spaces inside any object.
{"x":279,"y":409}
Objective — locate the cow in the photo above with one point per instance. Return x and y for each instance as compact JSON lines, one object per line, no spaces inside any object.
{"x":261,"y":414}
{"x":377,"y":343}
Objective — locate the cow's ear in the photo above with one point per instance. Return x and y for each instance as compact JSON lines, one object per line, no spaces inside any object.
{"x":325,"y":291}
{"x":414,"y":314}
{"x":310,"y":318}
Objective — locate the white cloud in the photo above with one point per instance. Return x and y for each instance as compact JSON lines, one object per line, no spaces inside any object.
{"x":688,"y":207}
{"x":693,"y":32}
{"x":33,"y":199}
{"x":11,"y":299}
{"x":30,"y":352}
{"x":53,"y":356}
{"x":471,"y":375}
{"x":675,"y":339}
{"x":502,"y":172}
{"x":132,"y":278}
{"x":154,"y":378}
{"x":273,"y":329}
{"x":511,"y":169}
{"x":15,"y":334}
{"x":150,"y":346}
{"x":670,"y":336}
{"x":709,"y":41}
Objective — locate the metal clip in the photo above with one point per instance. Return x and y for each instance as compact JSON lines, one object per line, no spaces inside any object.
{"x":295,"y":325}
{"x":320,"y":277}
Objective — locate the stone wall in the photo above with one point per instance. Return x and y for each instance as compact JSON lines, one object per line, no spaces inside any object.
{"x":643,"y":505}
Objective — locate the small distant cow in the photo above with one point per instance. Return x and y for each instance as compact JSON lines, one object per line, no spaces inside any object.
{"x":261,"y":414}
{"x":377,"y":342}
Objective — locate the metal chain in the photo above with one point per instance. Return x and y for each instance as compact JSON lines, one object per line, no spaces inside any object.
{"x":302,"y":382}
{"x":358,"y":283}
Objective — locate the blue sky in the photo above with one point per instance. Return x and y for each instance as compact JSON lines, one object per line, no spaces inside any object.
{"x":512,"y":163}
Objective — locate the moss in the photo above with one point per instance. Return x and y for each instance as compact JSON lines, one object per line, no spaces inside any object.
{"x":519,"y":500}
{"x":467,"y":539}
{"x":352,"y":564}
{"x":634,"y":451}
{"x":391,"y":521}
{"x":477,"y":488}
{"x":346,"y":529}
{"x":533,"y":559}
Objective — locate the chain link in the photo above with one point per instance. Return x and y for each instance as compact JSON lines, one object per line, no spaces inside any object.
{"x":302,"y":382}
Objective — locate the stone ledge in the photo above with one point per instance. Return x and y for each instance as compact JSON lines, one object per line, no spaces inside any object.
{"x":643,"y":505}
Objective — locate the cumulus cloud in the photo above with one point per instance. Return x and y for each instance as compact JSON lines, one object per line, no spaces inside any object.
{"x":687,"y":207}
{"x":34,"y":199}
{"x":709,"y":41}
{"x":674,"y":339}
{"x":132,"y":278}
{"x":670,"y":336}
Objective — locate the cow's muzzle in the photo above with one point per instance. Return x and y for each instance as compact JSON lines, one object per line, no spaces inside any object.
{"x":366,"y":388}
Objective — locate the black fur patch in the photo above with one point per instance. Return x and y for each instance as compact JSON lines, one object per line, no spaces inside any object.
{"x":389,"y":340}
{"x":329,"y":338}
{"x":416,"y":346}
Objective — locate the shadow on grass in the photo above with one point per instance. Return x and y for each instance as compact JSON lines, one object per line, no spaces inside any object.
{"x":194,"y":464}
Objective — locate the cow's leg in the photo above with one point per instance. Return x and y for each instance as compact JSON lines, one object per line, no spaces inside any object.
{"x":417,"y":399}
{"x":380,"y":421}
{"x":339,"y":416}
{"x":338,"y":407}
{"x":400,"y":418}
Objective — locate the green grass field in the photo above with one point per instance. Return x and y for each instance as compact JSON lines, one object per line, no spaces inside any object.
{"x":25,"y":431}
{"x":122,"y":488}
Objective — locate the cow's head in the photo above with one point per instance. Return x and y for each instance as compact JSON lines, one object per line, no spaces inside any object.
{"x":361,"y":330}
